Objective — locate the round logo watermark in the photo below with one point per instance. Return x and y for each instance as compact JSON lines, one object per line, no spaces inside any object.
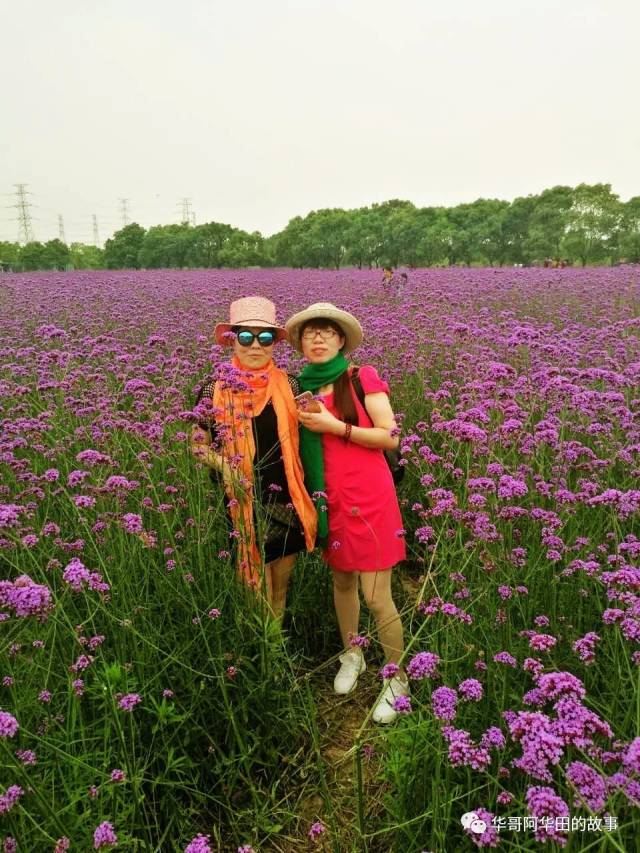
{"x":472,"y":822}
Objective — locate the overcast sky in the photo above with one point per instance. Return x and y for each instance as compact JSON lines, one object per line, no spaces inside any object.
{"x":261,"y":110}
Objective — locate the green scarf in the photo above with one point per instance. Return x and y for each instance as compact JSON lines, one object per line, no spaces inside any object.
{"x":315,"y":376}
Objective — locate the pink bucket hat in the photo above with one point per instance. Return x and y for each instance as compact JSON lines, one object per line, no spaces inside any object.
{"x":250,"y":311}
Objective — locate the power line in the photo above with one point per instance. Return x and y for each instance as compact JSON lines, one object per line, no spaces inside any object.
{"x":188,"y":215}
{"x":124,"y":211}
{"x":25,"y":231}
{"x":96,"y":238}
{"x":61,"y":228}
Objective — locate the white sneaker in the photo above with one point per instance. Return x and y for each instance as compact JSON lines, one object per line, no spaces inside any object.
{"x":384,"y":712}
{"x":353,"y":664}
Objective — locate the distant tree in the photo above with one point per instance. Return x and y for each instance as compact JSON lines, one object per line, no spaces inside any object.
{"x":363,"y":237}
{"x":393,"y":219}
{"x":33,"y":256}
{"x":325,"y":237}
{"x":629,"y":242}
{"x":435,"y":242}
{"x":242,"y":250}
{"x":463,"y":243}
{"x":56,"y":256}
{"x":207,"y":242}
{"x":517,"y":221}
{"x":121,"y":251}
{"x":85,"y":256}
{"x":166,"y":246}
{"x":548,"y":223}
{"x":290,"y":247}
{"x":10,"y":255}
{"x":593,"y":223}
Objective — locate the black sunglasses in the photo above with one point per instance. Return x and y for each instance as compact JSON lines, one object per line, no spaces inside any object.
{"x":246,"y":338}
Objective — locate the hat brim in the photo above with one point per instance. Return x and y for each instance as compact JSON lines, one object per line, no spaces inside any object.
{"x":221,"y":330}
{"x":351,"y":328}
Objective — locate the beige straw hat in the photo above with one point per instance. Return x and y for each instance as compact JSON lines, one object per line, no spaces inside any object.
{"x":351,"y":328}
{"x":250,"y":311}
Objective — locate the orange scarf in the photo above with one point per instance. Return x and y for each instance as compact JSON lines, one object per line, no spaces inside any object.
{"x":236,"y":408}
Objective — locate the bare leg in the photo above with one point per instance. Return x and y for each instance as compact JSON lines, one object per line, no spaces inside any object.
{"x":347,"y":604}
{"x":376,"y":587}
{"x":277,"y":575}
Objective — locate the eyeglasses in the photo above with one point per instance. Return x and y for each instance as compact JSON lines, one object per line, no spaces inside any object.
{"x":326,"y":334}
{"x":246,"y":338}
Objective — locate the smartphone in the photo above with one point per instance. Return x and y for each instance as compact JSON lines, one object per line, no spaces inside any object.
{"x":306,"y":402}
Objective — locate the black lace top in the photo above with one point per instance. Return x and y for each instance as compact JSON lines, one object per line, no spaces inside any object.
{"x":267,"y":465}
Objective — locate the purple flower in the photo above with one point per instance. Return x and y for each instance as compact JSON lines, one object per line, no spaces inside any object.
{"x":128,"y":702}
{"x":506,"y":658}
{"x":585,"y":647}
{"x":402,"y":704}
{"x":104,"y":836}
{"x":26,"y":756}
{"x":357,"y":640}
{"x":589,"y":785}
{"x":545,"y":805}
{"x":10,"y":798}
{"x":556,"y":684}
{"x":8,"y":724}
{"x":132,"y":523}
{"x":493,"y":738}
{"x":487,"y":838}
{"x":470,"y":689}
{"x":25,"y":597}
{"x":443,"y":702}
{"x":463,"y":751}
{"x":542,"y":642}
{"x":541,"y":745}
{"x":199,"y":844}
{"x":317,"y":829}
{"x":631,"y":758}
{"x":423,"y":665}
{"x":389,"y":670}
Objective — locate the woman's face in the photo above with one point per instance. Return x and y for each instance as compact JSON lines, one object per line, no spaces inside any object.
{"x":254,"y":356}
{"x":320,"y":341}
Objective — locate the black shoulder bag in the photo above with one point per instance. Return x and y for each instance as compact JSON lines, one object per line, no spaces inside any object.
{"x":392,"y":456}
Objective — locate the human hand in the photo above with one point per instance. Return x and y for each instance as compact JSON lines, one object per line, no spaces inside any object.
{"x":200,"y":443}
{"x":321,"y":421}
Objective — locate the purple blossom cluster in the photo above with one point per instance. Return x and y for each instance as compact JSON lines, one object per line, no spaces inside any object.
{"x":25,"y":597}
{"x":522,"y":457}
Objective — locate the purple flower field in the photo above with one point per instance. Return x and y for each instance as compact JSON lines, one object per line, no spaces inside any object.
{"x":144,"y":705}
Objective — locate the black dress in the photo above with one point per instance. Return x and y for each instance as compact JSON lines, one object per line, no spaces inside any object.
{"x":282,"y":532}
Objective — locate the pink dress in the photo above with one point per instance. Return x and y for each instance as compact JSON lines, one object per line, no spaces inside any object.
{"x":365,"y":526}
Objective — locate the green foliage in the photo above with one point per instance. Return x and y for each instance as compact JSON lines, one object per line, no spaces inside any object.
{"x":586,"y":224}
{"x":86,"y":257}
{"x":9,"y":255}
{"x":53,"y":255}
{"x":629,"y":236}
{"x":121,"y":251}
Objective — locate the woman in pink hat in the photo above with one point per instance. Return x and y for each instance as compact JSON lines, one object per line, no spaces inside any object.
{"x":342,"y":451}
{"x":253,"y":442}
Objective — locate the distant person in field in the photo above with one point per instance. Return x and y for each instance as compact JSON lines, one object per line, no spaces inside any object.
{"x":342,"y":451}
{"x":258,"y":461}
{"x":387,"y":276}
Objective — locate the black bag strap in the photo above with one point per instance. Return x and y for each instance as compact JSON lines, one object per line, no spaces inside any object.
{"x":357,"y":385}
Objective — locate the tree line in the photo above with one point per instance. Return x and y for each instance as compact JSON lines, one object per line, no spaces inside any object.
{"x":586,"y":224}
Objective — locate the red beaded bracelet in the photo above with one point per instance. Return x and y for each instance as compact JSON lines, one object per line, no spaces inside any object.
{"x":347,"y":432}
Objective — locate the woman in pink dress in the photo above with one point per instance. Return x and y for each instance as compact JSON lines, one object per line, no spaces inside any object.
{"x":360,"y":526}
